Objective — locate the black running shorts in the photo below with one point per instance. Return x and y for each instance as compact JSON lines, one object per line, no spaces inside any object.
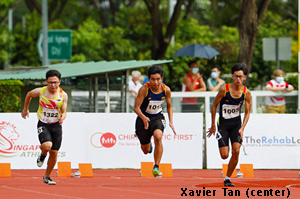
{"x":50,"y":133}
{"x":229,"y":129}
{"x":145,"y":135}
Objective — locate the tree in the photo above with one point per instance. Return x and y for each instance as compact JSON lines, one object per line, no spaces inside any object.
{"x":55,"y":8}
{"x":250,"y":17}
{"x":160,"y":41}
{"x":108,"y":9}
{"x":5,"y":5}
{"x":104,"y":14}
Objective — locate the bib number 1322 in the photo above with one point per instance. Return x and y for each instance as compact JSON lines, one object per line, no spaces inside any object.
{"x":47,"y":114}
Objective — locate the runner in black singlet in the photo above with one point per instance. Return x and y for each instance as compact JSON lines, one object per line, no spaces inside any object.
{"x":231,"y":98}
{"x":150,"y":121}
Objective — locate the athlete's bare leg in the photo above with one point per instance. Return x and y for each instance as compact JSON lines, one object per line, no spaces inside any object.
{"x":51,"y":162}
{"x":146,"y":148}
{"x":234,"y":158}
{"x":158,"y":151}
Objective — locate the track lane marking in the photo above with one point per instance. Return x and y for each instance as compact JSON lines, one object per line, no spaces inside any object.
{"x":50,"y":194}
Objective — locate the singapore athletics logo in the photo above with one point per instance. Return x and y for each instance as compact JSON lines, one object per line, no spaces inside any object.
{"x":8,"y":136}
{"x":99,"y":140}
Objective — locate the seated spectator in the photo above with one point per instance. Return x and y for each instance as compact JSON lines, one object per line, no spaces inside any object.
{"x":277,"y":104}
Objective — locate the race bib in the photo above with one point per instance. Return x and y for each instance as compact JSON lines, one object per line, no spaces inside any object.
{"x":154,"y":107}
{"x":230,"y":111}
{"x":50,"y":115}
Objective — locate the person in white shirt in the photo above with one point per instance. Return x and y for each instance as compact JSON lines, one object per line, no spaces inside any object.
{"x":277,"y":104}
{"x":133,"y":87}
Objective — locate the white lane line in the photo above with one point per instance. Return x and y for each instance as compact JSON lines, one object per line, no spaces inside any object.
{"x":43,"y":193}
{"x":135,"y":191}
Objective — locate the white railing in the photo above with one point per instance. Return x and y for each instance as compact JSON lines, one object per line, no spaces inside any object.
{"x":206,"y":95}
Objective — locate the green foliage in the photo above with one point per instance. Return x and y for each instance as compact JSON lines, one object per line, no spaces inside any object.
{"x":137,"y":29}
{"x":224,"y":40}
{"x":114,"y":45}
{"x":293,"y":80}
{"x":87,"y":40}
{"x":209,"y":22}
{"x":6,"y":45}
{"x":10,"y":95}
{"x":26,"y":40}
{"x":97,"y":43}
{"x":4,"y":5}
{"x":274,"y":26}
{"x":78,"y":58}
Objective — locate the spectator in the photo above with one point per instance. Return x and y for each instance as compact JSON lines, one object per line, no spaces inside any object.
{"x":192,"y":81}
{"x":214,"y":83}
{"x":277,"y":104}
{"x":145,"y":80}
{"x":133,"y":87}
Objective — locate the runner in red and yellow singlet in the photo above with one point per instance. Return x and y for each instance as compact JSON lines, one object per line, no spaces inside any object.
{"x":51,"y":113}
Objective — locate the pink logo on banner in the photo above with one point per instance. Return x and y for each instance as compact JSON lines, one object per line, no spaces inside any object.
{"x":107,"y":140}
{"x":8,"y":136}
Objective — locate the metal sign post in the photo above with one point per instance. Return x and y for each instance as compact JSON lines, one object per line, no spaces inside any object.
{"x":45,"y":32}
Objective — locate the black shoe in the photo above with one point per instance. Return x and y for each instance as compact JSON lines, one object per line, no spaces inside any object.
{"x":227,"y":183}
{"x":48,"y":181}
{"x":40,"y":160}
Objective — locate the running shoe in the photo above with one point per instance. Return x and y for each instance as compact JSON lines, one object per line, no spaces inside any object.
{"x":227,"y":183}
{"x":40,"y":160}
{"x":48,"y":181}
{"x":151,"y":148}
{"x":156,"y":172}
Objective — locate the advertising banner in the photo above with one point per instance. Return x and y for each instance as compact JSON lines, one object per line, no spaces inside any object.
{"x":113,"y":144}
{"x":19,"y":144}
{"x":271,"y":141}
{"x":107,"y":140}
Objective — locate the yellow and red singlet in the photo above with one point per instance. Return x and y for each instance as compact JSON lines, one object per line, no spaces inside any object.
{"x":50,"y":109}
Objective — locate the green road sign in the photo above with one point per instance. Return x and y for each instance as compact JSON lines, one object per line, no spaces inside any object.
{"x":59,"y":45}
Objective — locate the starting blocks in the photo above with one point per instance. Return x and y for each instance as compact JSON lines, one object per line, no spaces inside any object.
{"x":224,"y":169}
{"x":5,"y":170}
{"x":247,"y":170}
{"x":86,"y":169}
{"x":64,"y":169}
{"x":165,"y":168}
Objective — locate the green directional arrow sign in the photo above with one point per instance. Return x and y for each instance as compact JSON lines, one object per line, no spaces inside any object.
{"x":59,"y":45}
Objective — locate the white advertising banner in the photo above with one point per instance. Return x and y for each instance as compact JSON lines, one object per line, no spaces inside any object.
{"x":104,"y":139}
{"x":271,"y":141}
{"x":112,"y":141}
{"x":19,"y":144}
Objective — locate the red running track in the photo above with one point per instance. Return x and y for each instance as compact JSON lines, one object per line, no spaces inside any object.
{"x":107,"y":184}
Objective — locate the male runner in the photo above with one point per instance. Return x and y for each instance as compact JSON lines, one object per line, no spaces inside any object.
{"x":150,"y":121}
{"x":231,"y":98}
{"x":51,"y":113}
